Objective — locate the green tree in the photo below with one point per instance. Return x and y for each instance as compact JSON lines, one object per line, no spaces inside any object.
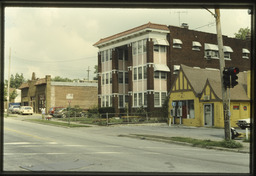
{"x":242,"y":33}
{"x":96,"y":72}
{"x":12,"y":95}
{"x":17,"y":80}
{"x":60,"y":79}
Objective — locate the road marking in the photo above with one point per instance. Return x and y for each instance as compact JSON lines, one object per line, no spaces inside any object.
{"x":30,"y":135}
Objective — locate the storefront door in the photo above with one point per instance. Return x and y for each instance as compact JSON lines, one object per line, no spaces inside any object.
{"x":208,"y":114}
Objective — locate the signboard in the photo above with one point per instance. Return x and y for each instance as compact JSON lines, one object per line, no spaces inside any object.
{"x":69,"y":96}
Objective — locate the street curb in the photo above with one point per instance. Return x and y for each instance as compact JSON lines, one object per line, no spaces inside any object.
{"x":183,"y":143}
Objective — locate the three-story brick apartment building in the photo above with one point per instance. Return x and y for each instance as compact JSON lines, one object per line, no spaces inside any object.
{"x":137,"y":67}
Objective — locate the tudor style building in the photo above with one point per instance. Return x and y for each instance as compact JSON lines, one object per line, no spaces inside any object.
{"x":196,"y":98}
{"x":137,"y":67}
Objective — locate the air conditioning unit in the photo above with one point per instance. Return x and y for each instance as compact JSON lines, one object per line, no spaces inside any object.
{"x":207,"y":97}
{"x":208,"y":57}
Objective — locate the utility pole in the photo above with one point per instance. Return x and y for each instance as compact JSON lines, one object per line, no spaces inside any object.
{"x":226,"y":113}
{"x":8,"y":88}
{"x":88,"y":72}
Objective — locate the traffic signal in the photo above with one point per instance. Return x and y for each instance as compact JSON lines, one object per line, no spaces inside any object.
{"x":233,"y":72}
{"x":226,"y":78}
{"x":230,"y":77}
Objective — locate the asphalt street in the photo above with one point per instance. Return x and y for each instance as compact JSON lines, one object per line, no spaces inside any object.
{"x":36,"y":147}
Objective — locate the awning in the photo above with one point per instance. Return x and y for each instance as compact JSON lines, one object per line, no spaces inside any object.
{"x":194,"y":43}
{"x":161,"y":67}
{"x":246,"y":51}
{"x":227,"y":49}
{"x":163,"y":42}
{"x":177,"y":41}
{"x":213,"y":47}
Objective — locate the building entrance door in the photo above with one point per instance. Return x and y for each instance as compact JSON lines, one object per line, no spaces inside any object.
{"x":208,"y":114}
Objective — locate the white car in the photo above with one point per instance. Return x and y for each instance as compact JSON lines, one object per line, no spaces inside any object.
{"x":26,"y":110}
{"x":244,"y":123}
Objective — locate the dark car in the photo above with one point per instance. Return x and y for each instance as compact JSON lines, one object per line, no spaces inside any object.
{"x":53,"y":109}
{"x":244,"y":123}
{"x":68,"y":112}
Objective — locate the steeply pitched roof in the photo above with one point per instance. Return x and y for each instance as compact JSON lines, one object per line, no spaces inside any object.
{"x":40,"y":81}
{"x":24,"y":85}
{"x":133,"y":30}
{"x":198,"y":78}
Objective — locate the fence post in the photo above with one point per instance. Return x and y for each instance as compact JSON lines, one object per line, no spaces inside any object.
{"x":107,"y":118}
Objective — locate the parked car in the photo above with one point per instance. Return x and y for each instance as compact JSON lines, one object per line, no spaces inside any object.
{"x":66,"y":112}
{"x":53,"y":109}
{"x":15,"y":109}
{"x":244,"y":123}
{"x":26,"y":110}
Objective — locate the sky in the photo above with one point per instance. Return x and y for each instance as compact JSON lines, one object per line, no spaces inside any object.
{"x":59,"y":41}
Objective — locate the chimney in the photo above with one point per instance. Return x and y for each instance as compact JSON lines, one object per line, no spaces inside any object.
{"x":33,"y":76}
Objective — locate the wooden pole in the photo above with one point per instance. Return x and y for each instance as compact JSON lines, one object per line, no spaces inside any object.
{"x":227,"y":129}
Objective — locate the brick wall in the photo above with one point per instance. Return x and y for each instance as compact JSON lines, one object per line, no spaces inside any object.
{"x":85,"y":97}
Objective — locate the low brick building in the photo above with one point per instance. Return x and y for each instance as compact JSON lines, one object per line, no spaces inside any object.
{"x":44,"y":93}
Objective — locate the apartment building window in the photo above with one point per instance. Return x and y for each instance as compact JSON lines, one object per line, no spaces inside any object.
{"x":102,"y":56}
{"x":144,"y":46}
{"x":121,"y":101}
{"x":135,"y":99}
{"x":145,"y":99}
{"x":110,"y":78}
{"x":120,"y":54}
{"x":196,"y":46}
{"x":106,"y":78}
{"x":134,"y":73}
{"x":156,"y":48}
{"x":140,"y":99}
{"x":246,"y":53}
{"x":103,"y":79}
{"x":160,"y":75}
{"x":177,"y":43}
{"x":121,"y":77}
{"x":126,"y":78}
{"x":134,"y":48}
{"x":156,"y":74}
{"x":145,"y":72}
{"x":110,"y":54}
{"x":139,"y":72}
{"x":110,"y":101}
{"x":163,"y":97}
{"x":106,"y":55}
{"x":140,"y":47}
{"x":107,"y":101}
{"x":157,"y":99}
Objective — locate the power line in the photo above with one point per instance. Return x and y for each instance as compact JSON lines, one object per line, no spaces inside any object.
{"x":53,"y":61}
{"x":209,"y":24}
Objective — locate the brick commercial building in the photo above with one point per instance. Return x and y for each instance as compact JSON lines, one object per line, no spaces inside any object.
{"x":43,"y":93}
{"x":137,"y":67}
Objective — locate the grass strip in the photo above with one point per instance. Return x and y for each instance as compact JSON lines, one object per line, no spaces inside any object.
{"x":196,"y":142}
{"x":50,"y":122}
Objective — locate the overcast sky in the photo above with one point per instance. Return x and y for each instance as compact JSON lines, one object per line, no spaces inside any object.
{"x":59,"y":41}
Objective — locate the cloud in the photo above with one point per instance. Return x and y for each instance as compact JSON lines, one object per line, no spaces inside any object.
{"x":41,"y":38}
